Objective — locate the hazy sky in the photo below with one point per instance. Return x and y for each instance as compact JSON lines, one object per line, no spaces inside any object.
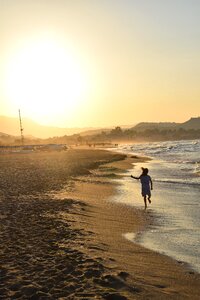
{"x":84,"y":63}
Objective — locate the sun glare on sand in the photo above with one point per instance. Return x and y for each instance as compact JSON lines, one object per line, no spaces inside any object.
{"x":45,"y":80}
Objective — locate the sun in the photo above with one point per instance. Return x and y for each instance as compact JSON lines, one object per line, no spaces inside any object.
{"x":45,"y":80}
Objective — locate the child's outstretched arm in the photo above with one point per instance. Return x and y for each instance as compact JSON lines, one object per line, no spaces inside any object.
{"x":135,"y":177}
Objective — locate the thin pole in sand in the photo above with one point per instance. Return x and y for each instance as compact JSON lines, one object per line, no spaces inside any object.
{"x":21,"y":128}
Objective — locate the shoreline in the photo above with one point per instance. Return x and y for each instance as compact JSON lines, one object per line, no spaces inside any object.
{"x":172,"y":226}
{"x":173,"y":234}
{"x":169,"y":278}
{"x":62,"y":237}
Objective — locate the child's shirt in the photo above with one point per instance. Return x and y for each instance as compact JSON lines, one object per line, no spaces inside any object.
{"x":145,"y":180}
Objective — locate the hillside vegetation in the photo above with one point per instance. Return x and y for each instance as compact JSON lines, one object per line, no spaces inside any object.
{"x":141,"y":132}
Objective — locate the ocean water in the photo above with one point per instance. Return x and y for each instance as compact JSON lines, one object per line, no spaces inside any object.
{"x":175,"y":171}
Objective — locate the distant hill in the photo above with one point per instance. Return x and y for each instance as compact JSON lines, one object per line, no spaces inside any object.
{"x":4,"y":134}
{"x":94,"y":131}
{"x":193,"y":123}
{"x":100,"y":130}
{"x":153,"y":125}
{"x":11,"y":127}
{"x":7,"y":139}
{"x":33,"y":130}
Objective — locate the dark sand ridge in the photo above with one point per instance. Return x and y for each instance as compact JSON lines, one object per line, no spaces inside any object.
{"x":61,"y":239}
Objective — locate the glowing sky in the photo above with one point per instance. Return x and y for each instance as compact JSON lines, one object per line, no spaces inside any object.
{"x":77,"y":63}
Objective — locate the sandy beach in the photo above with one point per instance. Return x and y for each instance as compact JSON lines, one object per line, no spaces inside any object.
{"x":62,"y":237}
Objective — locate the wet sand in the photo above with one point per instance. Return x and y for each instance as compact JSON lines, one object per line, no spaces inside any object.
{"x":61,"y":237}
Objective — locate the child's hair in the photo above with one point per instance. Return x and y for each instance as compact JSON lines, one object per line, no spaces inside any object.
{"x":144,"y":171}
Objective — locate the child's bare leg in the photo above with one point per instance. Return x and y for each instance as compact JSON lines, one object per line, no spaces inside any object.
{"x":145,"y":202}
{"x":149,"y":199}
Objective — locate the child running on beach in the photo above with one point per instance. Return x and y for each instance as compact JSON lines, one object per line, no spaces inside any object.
{"x":147,"y":185}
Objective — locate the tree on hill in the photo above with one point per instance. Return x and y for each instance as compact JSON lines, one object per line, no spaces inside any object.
{"x":116,"y":132}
